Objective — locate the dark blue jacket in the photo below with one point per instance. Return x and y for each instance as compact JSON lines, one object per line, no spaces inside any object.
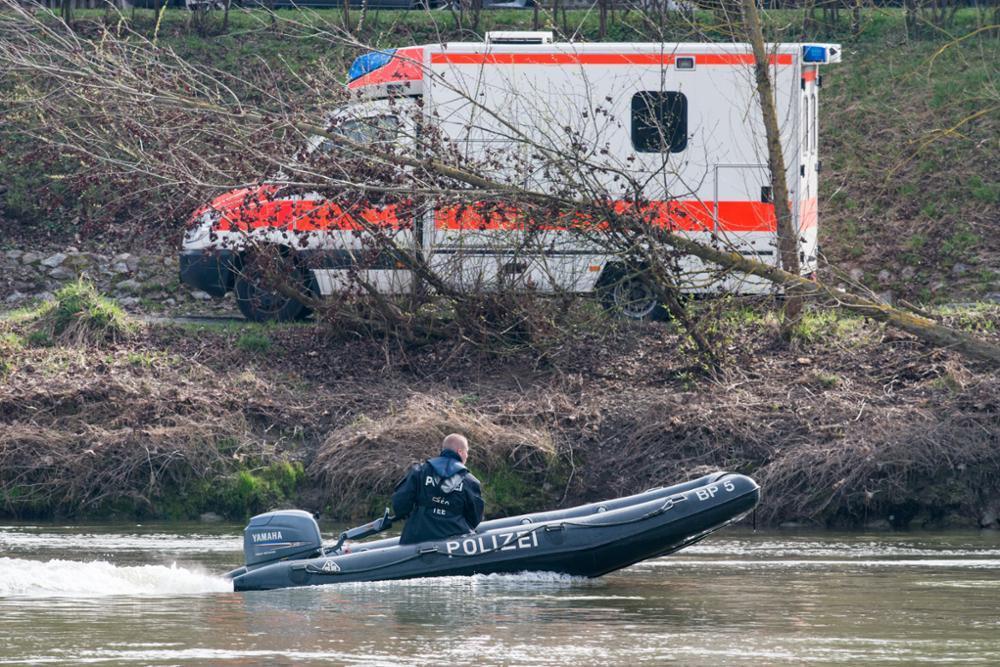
{"x":439,"y":498}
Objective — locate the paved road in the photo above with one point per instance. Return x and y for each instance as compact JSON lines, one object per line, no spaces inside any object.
{"x":190,"y":319}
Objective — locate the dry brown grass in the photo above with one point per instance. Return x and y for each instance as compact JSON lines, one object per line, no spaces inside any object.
{"x":88,"y":430}
{"x":83,"y":440}
{"x":925,"y":460}
{"x":842,"y":428}
{"x":365,"y":460}
{"x":910,"y":441}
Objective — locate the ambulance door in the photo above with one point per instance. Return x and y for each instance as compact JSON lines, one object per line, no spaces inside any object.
{"x":744,"y":211}
{"x":809,"y":169}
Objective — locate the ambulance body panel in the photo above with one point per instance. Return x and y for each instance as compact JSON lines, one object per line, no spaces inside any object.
{"x":675,"y":126}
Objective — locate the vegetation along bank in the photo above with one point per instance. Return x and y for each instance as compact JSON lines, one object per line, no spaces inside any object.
{"x":104,"y":414}
{"x":847,"y":425}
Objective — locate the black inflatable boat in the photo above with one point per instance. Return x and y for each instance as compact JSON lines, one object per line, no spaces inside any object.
{"x":284,"y":548}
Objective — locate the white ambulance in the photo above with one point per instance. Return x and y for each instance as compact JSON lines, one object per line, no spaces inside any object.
{"x":676,"y":126}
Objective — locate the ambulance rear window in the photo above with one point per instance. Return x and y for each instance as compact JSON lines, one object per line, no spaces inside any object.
{"x":659,"y":121}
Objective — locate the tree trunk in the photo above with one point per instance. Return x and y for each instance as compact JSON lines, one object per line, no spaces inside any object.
{"x":477,"y":11}
{"x":788,"y":237}
{"x":923,"y":328}
{"x":911,"y":16}
{"x":364,"y":15}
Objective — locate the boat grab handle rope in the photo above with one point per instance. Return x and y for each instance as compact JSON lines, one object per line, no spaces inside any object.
{"x":667,"y":505}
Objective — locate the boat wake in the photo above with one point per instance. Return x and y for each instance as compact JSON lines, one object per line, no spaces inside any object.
{"x":528,"y":580}
{"x":68,"y":578}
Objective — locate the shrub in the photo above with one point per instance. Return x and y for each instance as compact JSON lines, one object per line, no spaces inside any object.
{"x":79,"y":315}
{"x":251,"y":491}
{"x":819,"y":325}
{"x":359,"y":465}
{"x":10,"y":345}
{"x":254,"y":342}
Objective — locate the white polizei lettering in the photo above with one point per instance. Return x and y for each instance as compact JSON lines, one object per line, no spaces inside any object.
{"x":429,"y":481}
{"x":483,"y":544}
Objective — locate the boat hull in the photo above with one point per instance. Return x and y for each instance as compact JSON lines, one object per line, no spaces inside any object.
{"x":588,"y":541}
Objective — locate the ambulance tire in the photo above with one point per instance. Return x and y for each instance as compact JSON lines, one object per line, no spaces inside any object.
{"x":258,"y":303}
{"x":629,"y":297}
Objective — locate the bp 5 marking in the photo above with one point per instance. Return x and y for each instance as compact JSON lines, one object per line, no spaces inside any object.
{"x":707,"y":492}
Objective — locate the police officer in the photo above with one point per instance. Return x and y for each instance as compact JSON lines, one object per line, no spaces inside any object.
{"x":439,"y":498}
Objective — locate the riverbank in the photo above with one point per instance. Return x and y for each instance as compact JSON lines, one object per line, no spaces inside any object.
{"x":851,"y":425}
{"x":848,"y":425}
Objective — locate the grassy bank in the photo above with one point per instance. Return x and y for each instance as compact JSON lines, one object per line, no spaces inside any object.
{"x":909,"y":123}
{"x":851,"y":425}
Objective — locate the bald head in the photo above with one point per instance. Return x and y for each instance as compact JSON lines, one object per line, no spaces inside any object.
{"x":458,"y":444}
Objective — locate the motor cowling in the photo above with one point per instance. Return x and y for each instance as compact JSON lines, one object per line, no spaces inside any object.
{"x":280,"y":535}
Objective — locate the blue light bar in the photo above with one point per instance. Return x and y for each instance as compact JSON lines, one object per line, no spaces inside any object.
{"x":369,"y":62}
{"x":814,"y":54}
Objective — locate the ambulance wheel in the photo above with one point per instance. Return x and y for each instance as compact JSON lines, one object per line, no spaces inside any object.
{"x":258,"y":300}
{"x":629,"y":297}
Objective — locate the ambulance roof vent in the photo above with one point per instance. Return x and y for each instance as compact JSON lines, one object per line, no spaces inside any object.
{"x":518,"y":37}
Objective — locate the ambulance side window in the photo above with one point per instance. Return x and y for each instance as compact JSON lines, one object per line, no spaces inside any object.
{"x":369,"y":130}
{"x":659,"y":122}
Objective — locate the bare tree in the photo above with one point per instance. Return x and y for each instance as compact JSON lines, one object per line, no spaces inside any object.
{"x":130,"y":105}
{"x":788,"y":243}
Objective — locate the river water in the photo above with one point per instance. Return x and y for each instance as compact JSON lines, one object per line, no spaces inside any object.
{"x":152,"y":594}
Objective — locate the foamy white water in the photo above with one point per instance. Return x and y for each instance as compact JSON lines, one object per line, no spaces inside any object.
{"x":78,"y":579}
{"x":32,"y":538}
{"x":475,"y":582}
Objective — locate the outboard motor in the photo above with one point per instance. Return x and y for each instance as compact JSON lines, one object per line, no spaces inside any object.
{"x":280,"y":535}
